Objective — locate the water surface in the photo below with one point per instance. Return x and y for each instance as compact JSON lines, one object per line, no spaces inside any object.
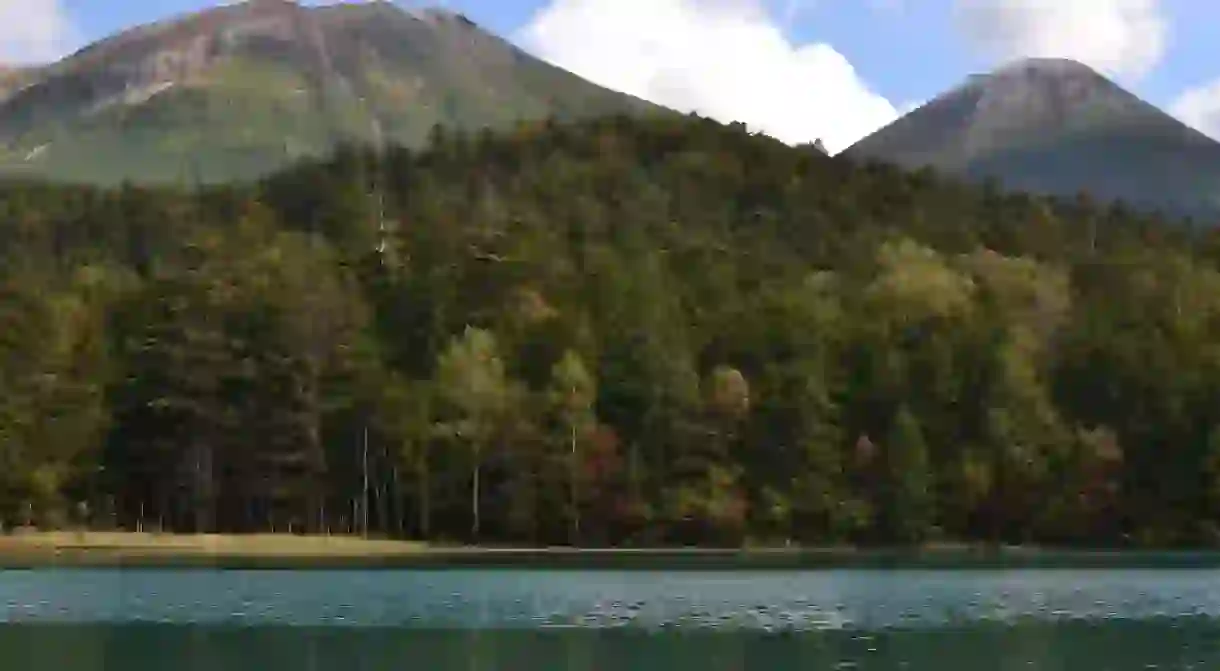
{"x":882,"y":620}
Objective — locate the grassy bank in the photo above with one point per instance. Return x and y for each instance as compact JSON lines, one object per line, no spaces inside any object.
{"x":117,"y":549}
{"x":112,"y":547}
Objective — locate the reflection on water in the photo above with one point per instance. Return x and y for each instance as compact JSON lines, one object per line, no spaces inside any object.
{"x":1070,"y":647}
{"x":73,"y":620}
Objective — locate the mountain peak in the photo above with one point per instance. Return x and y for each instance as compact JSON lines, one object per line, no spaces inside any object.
{"x":239,"y":89}
{"x":1044,"y":65}
{"x":1055,"y":125}
{"x":1038,"y":71}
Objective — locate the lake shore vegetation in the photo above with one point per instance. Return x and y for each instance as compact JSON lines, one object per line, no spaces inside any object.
{"x":611,"y":333}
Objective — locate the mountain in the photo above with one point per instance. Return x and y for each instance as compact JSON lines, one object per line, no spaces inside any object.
{"x":238,"y":90}
{"x":1056,"y":126}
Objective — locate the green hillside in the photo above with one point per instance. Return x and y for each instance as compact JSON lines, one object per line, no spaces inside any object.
{"x":239,"y":90}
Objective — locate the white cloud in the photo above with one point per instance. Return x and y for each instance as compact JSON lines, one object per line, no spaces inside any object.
{"x":725,"y":59}
{"x":1123,"y":38}
{"x":1200,"y":108}
{"x":34,"y":30}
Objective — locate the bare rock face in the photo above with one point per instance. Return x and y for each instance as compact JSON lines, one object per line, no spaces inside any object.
{"x":225,"y":93}
{"x":1056,"y":126}
{"x":15,"y":78}
{"x":179,"y":51}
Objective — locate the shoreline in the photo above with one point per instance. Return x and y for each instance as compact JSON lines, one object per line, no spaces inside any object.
{"x":28,"y":550}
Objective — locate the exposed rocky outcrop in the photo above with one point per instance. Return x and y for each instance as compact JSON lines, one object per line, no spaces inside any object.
{"x":221,"y":93}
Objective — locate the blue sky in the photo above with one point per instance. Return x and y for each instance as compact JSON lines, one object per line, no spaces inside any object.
{"x":796,"y":69}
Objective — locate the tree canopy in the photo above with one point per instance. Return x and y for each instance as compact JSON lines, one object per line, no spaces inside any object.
{"x":610,"y":332}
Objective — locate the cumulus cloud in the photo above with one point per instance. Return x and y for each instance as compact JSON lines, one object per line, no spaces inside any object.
{"x":1200,"y":108}
{"x":725,"y":59}
{"x":33,"y":30}
{"x":1123,"y":38}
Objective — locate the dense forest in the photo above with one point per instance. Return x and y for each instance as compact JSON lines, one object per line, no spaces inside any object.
{"x":615,"y":332}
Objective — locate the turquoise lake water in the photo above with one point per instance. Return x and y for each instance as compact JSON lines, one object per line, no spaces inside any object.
{"x":474,"y":620}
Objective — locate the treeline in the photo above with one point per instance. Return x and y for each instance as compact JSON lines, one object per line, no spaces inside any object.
{"x":615,"y":332}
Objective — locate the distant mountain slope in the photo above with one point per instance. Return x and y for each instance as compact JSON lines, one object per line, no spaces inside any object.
{"x":238,"y":90}
{"x":1056,"y":126}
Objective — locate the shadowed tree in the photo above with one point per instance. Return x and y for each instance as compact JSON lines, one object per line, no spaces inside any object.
{"x":908,"y":508}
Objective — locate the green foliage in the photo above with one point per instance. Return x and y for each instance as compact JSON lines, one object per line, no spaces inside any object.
{"x":609,"y":332}
{"x":473,"y":387}
{"x":907,"y":505}
{"x":471,"y":380}
{"x":573,"y":394}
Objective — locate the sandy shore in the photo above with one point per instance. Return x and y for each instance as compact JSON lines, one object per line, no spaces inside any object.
{"x":65,"y":544}
{"x":118,"y":549}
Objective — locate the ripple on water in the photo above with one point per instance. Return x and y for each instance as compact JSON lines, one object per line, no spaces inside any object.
{"x":764,"y":602}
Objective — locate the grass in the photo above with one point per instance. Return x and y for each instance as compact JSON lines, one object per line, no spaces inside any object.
{"x":131,"y":544}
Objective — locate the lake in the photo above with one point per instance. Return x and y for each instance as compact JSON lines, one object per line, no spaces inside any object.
{"x":535,"y":620}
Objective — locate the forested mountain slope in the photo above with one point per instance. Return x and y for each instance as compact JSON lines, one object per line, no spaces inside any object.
{"x":616,"y":331}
